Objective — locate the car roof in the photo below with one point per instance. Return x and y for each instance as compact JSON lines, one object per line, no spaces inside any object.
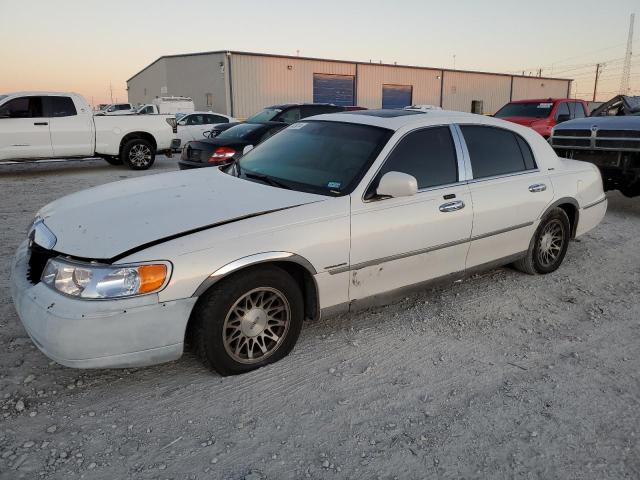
{"x":40,"y":92}
{"x":394,"y":119}
{"x":546,"y":100}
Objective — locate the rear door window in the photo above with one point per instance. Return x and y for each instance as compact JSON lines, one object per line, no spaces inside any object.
{"x":22,"y":107}
{"x":60,"y":107}
{"x":496,"y":151}
{"x":428,"y":154}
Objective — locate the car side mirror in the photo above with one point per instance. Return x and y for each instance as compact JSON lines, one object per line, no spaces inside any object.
{"x":182,"y":122}
{"x":247,"y":149}
{"x":397,"y":184}
{"x":563,"y":118}
{"x":206,"y":134}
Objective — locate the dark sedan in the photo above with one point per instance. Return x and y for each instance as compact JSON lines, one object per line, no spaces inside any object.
{"x":228,"y":146}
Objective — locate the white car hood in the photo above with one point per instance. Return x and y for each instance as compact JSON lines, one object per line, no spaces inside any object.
{"x":104,"y":222}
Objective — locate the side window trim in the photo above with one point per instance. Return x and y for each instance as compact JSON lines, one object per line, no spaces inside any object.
{"x":471,"y":178}
{"x":461,"y":165}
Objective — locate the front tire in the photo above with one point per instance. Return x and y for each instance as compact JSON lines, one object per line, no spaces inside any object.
{"x":138,"y":154}
{"x":249,"y":320}
{"x":548,"y":246}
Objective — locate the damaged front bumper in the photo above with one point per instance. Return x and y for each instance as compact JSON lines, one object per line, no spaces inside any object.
{"x":82,"y":333}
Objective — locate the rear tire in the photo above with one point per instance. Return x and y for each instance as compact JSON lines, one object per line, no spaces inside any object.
{"x":247,"y":321}
{"x":548,"y":246}
{"x":138,"y":154}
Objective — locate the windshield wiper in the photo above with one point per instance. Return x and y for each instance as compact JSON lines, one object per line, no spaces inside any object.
{"x":267,"y":179}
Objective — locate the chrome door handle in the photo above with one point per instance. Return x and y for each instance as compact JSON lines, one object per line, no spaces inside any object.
{"x":451,"y":206}
{"x":537,"y":187}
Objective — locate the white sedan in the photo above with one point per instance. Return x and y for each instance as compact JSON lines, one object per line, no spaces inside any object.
{"x":194,"y":125}
{"x":335,"y":212}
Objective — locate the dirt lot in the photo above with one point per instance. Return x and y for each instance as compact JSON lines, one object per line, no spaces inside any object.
{"x":503,"y":375}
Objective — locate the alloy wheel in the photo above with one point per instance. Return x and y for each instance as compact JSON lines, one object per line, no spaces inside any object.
{"x":256,"y":325}
{"x":551,"y":243}
{"x":140,"y":155}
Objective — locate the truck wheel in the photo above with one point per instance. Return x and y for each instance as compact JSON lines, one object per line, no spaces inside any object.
{"x":548,"y":245}
{"x":113,"y":160}
{"x":138,"y":154}
{"x":247,"y":321}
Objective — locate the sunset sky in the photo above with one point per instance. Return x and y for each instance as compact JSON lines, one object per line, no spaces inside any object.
{"x":84,"y":45}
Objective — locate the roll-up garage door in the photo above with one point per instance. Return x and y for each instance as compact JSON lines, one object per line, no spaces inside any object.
{"x":396,"y":96}
{"x":336,"y":89}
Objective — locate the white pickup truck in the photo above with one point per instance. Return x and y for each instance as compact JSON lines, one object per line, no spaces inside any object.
{"x":36,"y":125}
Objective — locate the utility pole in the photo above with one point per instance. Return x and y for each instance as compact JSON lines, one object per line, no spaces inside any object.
{"x":454,"y":61}
{"x":111,"y":91}
{"x":595,"y":84}
{"x":626,"y":69}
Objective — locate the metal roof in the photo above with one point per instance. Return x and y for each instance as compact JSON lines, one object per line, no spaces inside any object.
{"x":293,"y":57}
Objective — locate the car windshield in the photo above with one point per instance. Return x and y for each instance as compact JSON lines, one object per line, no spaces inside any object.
{"x":529,"y":109}
{"x":265,"y":115}
{"x":180,"y":115}
{"x":328,"y":158}
{"x":239,"y":131}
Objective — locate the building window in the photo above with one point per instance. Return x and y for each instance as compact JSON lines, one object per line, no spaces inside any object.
{"x":209,"y":99}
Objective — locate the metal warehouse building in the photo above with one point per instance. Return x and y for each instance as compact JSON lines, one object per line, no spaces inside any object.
{"x":242,"y":83}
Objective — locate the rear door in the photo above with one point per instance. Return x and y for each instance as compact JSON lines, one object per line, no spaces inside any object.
{"x":71,"y":130}
{"x":508,"y":191}
{"x":24,"y":130}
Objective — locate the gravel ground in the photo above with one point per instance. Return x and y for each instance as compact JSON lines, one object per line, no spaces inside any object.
{"x":503,"y":375}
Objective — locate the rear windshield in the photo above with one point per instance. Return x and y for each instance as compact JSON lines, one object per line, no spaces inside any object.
{"x":529,"y":109}
{"x":328,"y":158}
{"x":265,"y":115}
{"x":2,"y":97}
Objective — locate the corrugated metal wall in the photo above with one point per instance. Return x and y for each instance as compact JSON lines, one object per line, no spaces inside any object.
{"x":531,"y":87}
{"x":148,"y":84}
{"x":257,"y":81}
{"x":425,"y":83}
{"x":196,"y":76}
{"x":461,"y":88}
{"x":261,"y":81}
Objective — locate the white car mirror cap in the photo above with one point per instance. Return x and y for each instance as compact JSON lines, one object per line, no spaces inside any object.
{"x":182,"y":122}
{"x":247,"y":149}
{"x":397,"y":184}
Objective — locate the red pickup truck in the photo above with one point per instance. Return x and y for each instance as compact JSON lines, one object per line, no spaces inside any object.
{"x":542,"y":115}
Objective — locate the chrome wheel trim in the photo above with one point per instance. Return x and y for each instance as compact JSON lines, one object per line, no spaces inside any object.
{"x":140,"y":155}
{"x":256,"y":325}
{"x":551,"y":243}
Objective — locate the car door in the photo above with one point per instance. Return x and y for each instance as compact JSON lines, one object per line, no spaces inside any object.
{"x":185,"y":127}
{"x":397,"y":242}
{"x":508,"y":191}
{"x":24,"y":130}
{"x":71,"y":130}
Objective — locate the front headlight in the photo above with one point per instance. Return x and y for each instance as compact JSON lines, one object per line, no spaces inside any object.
{"x":86,"y":280}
